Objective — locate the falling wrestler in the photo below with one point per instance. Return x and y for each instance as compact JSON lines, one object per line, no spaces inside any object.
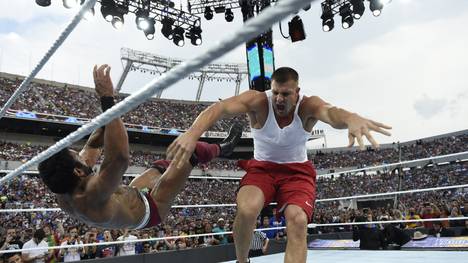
{"x":100,"y":199}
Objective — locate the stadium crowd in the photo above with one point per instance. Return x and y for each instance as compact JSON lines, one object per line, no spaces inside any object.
{"x":27,"y":191}
{"x":370,"y":157}
{"x":61,"y":99}
{"x":23,"y":152}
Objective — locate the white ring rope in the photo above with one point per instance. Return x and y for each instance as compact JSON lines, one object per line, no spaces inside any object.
{"x":63,"y":36}
{"x":136,"y":175}
{"x":249,"y":30}
{"x":232,"y":205}
{"x":390,"y":221}
{"x":376,"y":167}
{"x":230,"y":232}
{"x":397,"y":164}
{"x":393,"y":193}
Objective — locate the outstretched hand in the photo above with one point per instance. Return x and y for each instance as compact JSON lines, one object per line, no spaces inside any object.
{"x":359,"y":126}
{"x":181,"y":149}
{"x":103,"y":81}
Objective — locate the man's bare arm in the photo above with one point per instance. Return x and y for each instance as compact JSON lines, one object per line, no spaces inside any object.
{"x":116,"y":149}
{"x":342,"y":119}
{"x":92,"y":150}
{"x":182,"y":148}
{"x":232,"y":106}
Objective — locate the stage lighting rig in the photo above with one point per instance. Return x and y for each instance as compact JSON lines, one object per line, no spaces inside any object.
{"x":346,"y":14}
{"x":147,"y":13}
{"x":348,"y":10}
{"x":296,"y":29}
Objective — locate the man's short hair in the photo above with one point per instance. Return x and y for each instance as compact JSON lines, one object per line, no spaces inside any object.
{"x":284,"y":74}
{"x":57,"y":172}
{"x":39,"y":234}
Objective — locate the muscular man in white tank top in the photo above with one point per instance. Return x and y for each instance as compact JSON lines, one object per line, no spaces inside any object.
{"x":281,"y":120}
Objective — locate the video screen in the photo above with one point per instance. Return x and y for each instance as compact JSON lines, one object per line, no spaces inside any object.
{"x":268,"y":61}
{"x":254,"y":62}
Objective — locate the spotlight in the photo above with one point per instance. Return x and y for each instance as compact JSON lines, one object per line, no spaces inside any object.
{"x":296,"y":29}
{"x":358,"y":8}
{"x":208,"y":13}
{"x":149,"y":31}
{"x":306,"y":8}
{"x":347,"y":20}
{"x":327,"y":19}
{"x":195,"y":36}
{"x":376,"y":7}
{"x":166,"y":29}
{"x":118,"y":21}
{"x":229,"y":15}
{"x":178,"y":36}
{"x":108,"y":10}
{"x":70,"y":3}
{"x":142,"y":20}
{"x":43,"y":2}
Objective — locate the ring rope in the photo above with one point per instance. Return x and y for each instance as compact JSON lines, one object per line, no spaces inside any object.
{"x":230,"y":232}
{"x":389,"y":222}
{"x":136,"y":175}
{"x":376,"y":167}
{"x":249,"y":30}
{"x":63,"y":36}
{"x":233,"y":205}
{"x":432,"y":158}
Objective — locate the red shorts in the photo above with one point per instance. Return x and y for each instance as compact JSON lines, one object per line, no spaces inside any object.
{"x":289,"y":183}
{"x":151,"y":217}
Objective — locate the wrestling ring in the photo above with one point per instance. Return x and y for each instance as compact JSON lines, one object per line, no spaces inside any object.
{"x":250,"y":29}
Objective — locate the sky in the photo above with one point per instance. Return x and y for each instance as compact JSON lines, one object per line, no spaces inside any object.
{"x":406,"y":68}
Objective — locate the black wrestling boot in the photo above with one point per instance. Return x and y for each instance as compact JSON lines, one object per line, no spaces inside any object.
{"x":226,"y":147}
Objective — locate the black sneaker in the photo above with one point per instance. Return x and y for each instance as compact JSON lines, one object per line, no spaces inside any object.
{"x":227,"y":145}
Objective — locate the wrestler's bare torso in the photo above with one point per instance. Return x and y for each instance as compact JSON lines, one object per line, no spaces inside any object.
{"x":123,"y":209}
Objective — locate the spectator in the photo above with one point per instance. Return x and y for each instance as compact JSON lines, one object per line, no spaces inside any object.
{"x":106,"y":251}
{"x":90,"y":251}
{"x":13,"y":257}
{"x":454,"y":214}
{"x":441,"y":231}
{"x":413,"y":216}
{"x":127,"y":248}
{"x":38,"y":255}
{"x":220,"y":228}
{"x":12,"y":240}
{"x":271,"y":233}
{"x":147,"y":248}
{"x":209,"y":240}
{"x":464,"y":231}
{"x":53,"y":239}
{"x":73,"y":253}
{"x":370,"y":236}
{"x":429,"y":211}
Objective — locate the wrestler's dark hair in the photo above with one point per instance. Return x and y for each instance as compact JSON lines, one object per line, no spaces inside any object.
{"x":57,"y":172}
{"x":284,"y":74}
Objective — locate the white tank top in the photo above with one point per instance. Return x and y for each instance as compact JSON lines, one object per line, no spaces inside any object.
{"x":273,"y":144}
